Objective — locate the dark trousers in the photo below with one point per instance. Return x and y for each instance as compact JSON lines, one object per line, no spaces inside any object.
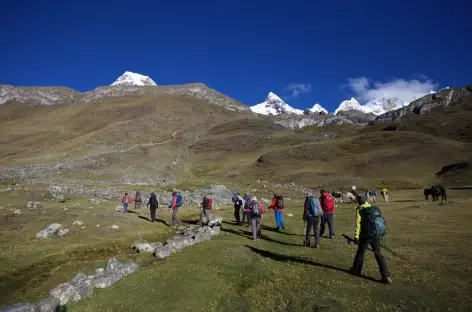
{"x":312,"y":223}
{"x":246,"y":218}
{"x":152,"y":210}
{"x":327,"y":218}
{"x":175,"y":219}
{"x":359,"y":260}
{"x":237,"y":215}
{"x":204,"y":214}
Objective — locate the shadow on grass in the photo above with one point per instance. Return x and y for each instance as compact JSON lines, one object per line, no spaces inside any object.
{"x":283,"y":258}
{"x":271,"y":229}
{"x":239,"y":233}
{"x":405,"y":201}
{"x":157,"y":220}
{"x":248,"y":234}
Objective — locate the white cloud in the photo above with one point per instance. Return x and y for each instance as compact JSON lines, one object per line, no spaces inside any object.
{"x":405,"y":90}
{"x":298,"y":88}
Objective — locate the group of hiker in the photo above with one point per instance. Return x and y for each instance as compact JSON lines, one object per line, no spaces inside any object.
{"x":174,"y":204}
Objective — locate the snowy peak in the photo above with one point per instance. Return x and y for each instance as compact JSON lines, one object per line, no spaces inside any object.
{"x":351,"y":104}
{"x":317,"y":108}
{"x":274,"y":105}
{"x":133,"y":79}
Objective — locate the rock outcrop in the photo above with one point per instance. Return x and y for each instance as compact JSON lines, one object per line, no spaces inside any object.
{"x":299,"y":121}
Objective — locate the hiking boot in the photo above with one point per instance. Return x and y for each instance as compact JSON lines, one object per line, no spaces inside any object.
{"x":283,"y":227}
{"x":277,"y":229}
{"x":316,"y":246}
{"x":386,"y":280}
{"x":331,"y":236}
{"x":353,"y":272}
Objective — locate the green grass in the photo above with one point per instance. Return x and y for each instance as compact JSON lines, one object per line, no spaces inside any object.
{"x":233,"y":273}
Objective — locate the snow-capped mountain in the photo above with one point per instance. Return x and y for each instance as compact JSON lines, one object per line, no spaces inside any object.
{"x":375,"y":106}
{"x":275,"y":106}
{"x":133,"y":79}
{"x":317,"y":108}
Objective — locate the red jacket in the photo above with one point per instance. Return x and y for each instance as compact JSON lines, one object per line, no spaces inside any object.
{"x":174,"y":202}
{"x":260,"y":207}
{"x":327,"y":203}
{"x":274,"y":205}
{"x":125,"y":198}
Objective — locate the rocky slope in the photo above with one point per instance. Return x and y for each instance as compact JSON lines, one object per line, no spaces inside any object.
{"x":442,"y":99}
{"x":300,"y":121}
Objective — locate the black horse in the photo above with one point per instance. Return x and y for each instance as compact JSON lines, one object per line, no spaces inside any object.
{"x":435,"y":191}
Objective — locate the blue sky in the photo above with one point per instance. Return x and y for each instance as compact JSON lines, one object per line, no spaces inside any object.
{"x":305,"y":51}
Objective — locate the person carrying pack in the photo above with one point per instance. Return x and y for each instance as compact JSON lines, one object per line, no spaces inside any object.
{"x":176,"y":204}
{"x":384,"y":193}
{"x":311,"y":214}
{"x":327,"y":204}
{"x":256,"y":210}
{"x":238,"y":203}
{"x":278,"y":206}
{"x":246,"y":216}
{"x":125,"y":201}
{"x":206,"y":207}
{"x":153,"y":205}
{"x":370,"y":227}
{"x":137,"y":201}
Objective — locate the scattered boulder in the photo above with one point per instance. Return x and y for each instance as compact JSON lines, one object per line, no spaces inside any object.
{"x":119,"y":208}
{"x":163,"y":252}
{"x":105,"y":279}
{"x":22,"y":307}
{"x":50,"y":231}
{"x":147,"y":247}
{"x":216,"y":220}
{"x":17,"y":212}
{"x":69,"y":292}
{"x":215,"y":231}
{"x":93,"y":201}
{"x":123,"y":268}
{"x":188,"y":232}
{"x":115,"y":227}
{"x":50,"y":304}
{"x":178,"y":243}
{"x":62,"y":232}
{"x":78,"y":223}
{"x":202,"y":236}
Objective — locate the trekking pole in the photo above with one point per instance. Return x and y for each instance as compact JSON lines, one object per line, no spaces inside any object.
{"x":304,"y":232}
{"x":349,"y":240}
{"x":392,"y":252}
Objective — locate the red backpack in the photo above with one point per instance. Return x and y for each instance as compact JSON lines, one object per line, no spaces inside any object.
{"x":327,"y":202}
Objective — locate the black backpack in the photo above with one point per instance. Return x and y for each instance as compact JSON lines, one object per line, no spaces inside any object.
{"x":279,"y":202}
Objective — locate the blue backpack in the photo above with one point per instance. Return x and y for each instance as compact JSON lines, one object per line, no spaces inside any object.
{"x":179,"y":200}
{"x":372,"y":222}
{"x":315,"y":207}
{"x":171,"y":201}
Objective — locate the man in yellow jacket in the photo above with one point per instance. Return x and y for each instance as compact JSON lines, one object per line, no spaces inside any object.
{"x":363,"y":239}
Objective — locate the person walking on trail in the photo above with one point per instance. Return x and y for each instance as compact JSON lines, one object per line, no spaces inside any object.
{"x":256,"y":210}
{"x":312,"y":213}
{"x":206,"y":208}
{"x":125,"y":201}
{"x":153,"y":206}
{"x":370,"y":227}
{"x":327,"y":204}
{"x":278,"y":206}
{"x":176,"y":204}
{"x":384,"y":193}
{"x":246,"y":216}
{"x":238,"y":203}
{"x":137,"y":201}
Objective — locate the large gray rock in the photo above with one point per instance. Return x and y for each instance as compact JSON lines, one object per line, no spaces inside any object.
{"x":49,"y":231}
{"x":147,"y":247}
{"x":69,"y":292}
{"x":188,"y":232}
{"x":178,"y":243}
{"x":106,"y":279}
{"x":21,"y":307}
{"x":122,"y":268}
{"x":50,"y":304}
{"x":215,"y":220}
{"x":163,"y":252}
{"x":293,"y":121}
{"x":215,"y":231}
{"x":202,"y":236}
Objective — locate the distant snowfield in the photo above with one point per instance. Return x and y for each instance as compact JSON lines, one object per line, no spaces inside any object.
{"x":133,"y":79}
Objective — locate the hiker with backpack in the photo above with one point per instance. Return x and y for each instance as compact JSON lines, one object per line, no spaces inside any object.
{"x":125,"y":201}
{"x":278,"y":206}
{"x":176,"y":204}
{"x":256,"y":210}
{"x":153,"y":206}
{"x":238,"y":203}
{"x":370,"y":227}
{"x":311,"y":214}
{"x":206,"y":208}
{"x":327,"y":204}
{"x":137,"y":201}
{"x":246,"y":216}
